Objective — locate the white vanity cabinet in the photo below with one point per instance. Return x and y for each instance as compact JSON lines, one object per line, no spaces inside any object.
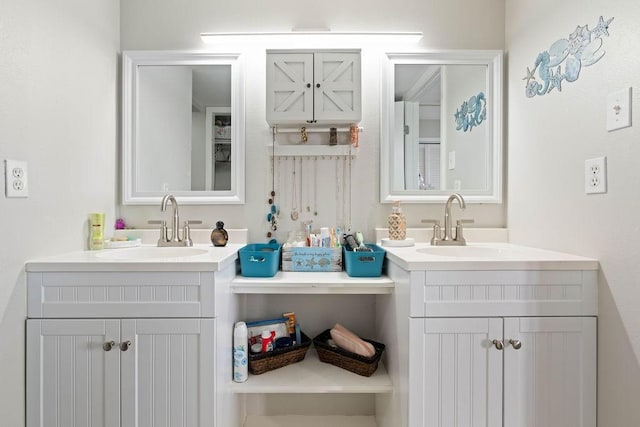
{"x":313,"y":87}
{"x":459,"y":376}
{"x":124,"y":348}
{"x":495,"y":347}
{"x":85,"y":372}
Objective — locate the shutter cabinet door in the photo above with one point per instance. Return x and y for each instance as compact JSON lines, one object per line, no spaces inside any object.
{"x":337,"y":96}
{"x":289,"y":87}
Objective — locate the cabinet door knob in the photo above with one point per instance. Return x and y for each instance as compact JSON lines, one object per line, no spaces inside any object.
{"x":124,"y":346}
{"x":517,"y":344}
{"x":498,"y":343}
{"x":317,"y":84}
{"x":308,"y":85}
{"x":108,"y":345}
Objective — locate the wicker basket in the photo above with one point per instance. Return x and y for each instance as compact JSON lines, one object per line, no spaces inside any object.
{"x":344,"y":359}
{"x":265,"y":362}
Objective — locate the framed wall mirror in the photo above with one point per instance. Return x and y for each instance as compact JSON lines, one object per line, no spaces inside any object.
{"x":441,"y":126}
{"x":182,"y":127}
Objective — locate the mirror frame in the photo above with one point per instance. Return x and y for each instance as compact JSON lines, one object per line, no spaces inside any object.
{"x":493,"y":60}
{"x":131,"y":60}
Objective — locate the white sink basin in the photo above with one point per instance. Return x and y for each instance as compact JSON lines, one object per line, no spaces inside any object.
{"x":467,"y":251}
{"x":150,"y":252}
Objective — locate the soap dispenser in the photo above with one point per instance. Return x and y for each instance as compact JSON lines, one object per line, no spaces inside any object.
{"x":397,"y":223}
{"x":219,"y":236}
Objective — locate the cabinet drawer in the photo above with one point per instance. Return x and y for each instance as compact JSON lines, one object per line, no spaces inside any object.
{"x":504,"y":293}
{"x":120,"y":294}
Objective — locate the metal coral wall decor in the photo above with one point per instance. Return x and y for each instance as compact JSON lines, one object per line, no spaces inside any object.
{"x":471,"y":113}
{"x":583,"y":48}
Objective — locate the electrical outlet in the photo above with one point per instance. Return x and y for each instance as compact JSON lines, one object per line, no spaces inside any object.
{"x":595,"y":175}
{"x":16,"y":183}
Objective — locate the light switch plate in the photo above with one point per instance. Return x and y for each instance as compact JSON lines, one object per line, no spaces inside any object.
{"x":452,"y":160}
{"x":619,"y":109}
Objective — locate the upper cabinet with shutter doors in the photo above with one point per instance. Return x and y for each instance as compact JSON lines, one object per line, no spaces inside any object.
{"x":313,"y":87}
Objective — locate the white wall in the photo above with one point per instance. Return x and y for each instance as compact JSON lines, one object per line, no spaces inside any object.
{"x":446,"y":24}
{"x":550,"y":137}
{"x":59,"y":92}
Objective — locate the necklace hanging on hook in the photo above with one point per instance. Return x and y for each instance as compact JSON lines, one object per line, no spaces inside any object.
{"x":294,"y":202}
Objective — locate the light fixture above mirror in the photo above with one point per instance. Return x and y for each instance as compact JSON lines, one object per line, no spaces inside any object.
{"x":312,"y":38}
{"x":441,"y":126}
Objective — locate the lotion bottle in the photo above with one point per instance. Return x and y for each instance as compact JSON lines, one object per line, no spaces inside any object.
{"x":240,"y":361}
{"x":397,"y":223}
{"x":96,"y":233}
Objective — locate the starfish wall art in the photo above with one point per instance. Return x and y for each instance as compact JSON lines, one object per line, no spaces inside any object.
{"x":583,"y":48}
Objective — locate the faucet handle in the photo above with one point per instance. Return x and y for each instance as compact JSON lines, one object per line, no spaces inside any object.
{"x":163,"y":229}
{"x":437,"y":230}
{"x":186,"y":232}
{"x":430,"y":221}
{"x":459,"y":237}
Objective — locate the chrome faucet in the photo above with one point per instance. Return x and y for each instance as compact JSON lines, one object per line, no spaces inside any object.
{"x":175,"y":239}
{"x":450,"y":238}
{"x":175,"y":220}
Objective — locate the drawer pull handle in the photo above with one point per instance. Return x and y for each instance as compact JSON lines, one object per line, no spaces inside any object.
{"x":517,"y":344}
{"x":124,"y":346}
{"x":108,"y":345}
{"x":498,"y":343}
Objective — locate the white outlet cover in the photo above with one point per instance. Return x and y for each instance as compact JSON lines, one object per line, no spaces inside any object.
{"x":619,"y":109}
{"x":16,"y":178}
{"x":595,"y":175}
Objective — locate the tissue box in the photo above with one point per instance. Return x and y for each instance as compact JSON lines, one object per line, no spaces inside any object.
{"x":311,"y":259}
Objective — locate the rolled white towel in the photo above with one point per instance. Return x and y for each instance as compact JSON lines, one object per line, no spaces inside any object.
{"x":349,"y":341}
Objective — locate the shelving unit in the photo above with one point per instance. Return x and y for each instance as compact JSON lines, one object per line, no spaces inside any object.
{"x":313,"y":376}
{"x":290,"y":282}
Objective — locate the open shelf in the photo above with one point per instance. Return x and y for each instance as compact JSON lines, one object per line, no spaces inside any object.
{"x":310,"y":421}
{"x":313,"y":376}
{"x":292,"y":282}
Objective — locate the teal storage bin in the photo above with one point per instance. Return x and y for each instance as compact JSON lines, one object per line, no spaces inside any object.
{"x":259,"y":259}
{"x":364,"y":264}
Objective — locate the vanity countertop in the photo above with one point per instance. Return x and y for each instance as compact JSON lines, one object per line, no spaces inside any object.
{"x":200,"y":257}
{"x":485,"y":256}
